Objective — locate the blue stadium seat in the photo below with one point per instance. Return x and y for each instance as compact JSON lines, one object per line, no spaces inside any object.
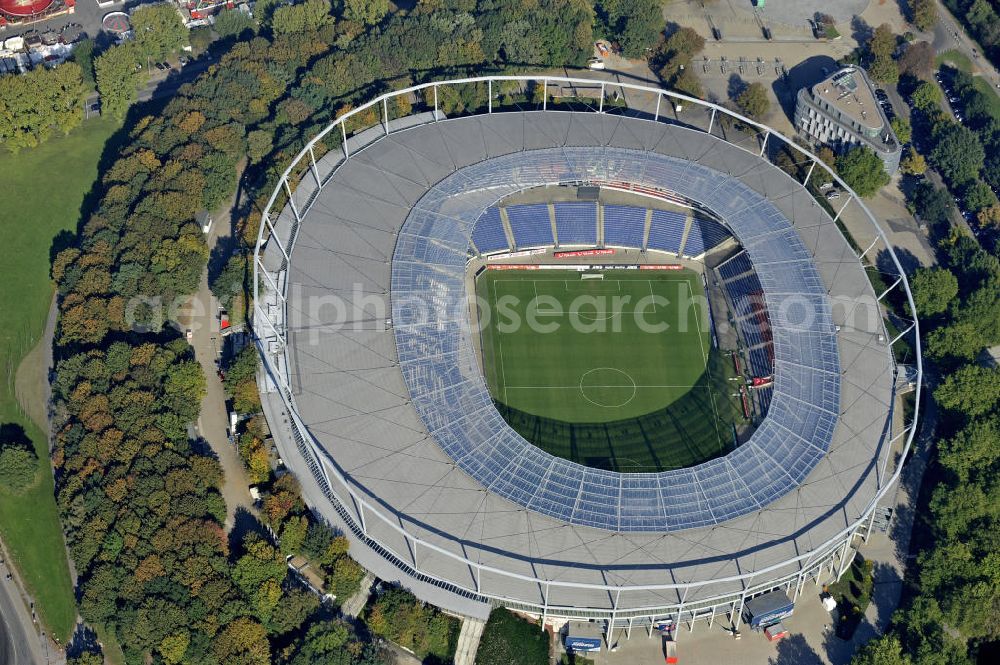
{"x":488,"y":235}
{"x":576,"y":223}
{"x":623,"y":226}
{"x":735,"y":266}
{"x":666,"y":229}
{"x":530,"y":224}
{"x":705,"y":234}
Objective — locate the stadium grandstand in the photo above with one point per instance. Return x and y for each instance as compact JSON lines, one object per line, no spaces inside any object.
{"x":377,"y":398}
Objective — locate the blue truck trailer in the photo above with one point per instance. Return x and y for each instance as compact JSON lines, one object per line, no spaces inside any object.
{"x":767,"y":609}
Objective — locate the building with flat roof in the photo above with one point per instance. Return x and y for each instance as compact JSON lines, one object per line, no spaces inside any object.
{"x":842,"y":111}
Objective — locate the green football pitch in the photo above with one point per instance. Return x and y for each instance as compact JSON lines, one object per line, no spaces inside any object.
{"x":614,"y":369}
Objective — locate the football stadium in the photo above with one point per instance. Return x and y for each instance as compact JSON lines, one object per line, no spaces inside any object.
{"x":582,"y":349}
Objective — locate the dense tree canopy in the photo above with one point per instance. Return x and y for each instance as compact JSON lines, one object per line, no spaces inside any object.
{"x":672,"y":59}
{"x":234,"y":23}
{"x":934,"y":289}
{"x":753,"y":101}
{"x":882,"y":47}
{"x":972,"y":390}
{"x":306,"y":16}
{"x":913,"y":163}
{"x":365,"y":12}
{"x":635,"y":24}
{"x":18,"y":466}
{"x":901,"y":127}
{"x":158,"y":29}
{"x":923,"y":13}
{"x":862,"y":170}
{"x":957,"y":154}
{"x":926,"y":96}
{"x":36,"y":104}
{"x":918,"y":60}
{"x":117,"y":74}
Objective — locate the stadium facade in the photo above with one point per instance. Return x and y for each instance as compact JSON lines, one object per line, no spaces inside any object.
{"x":376,"y":401}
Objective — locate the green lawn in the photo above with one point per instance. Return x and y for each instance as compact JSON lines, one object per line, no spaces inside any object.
{"x":956,"y":59}
{"x":984,"y":87}
{"x":617,"y":373}
{"x":43,"y":191}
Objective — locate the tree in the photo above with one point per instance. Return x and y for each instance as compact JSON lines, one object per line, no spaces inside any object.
{"x":957,"y":152}
{"x":884,"y":650}
{"x":259,"y":145}
{"x":35,"y":104}
{"x":365,"y":12}
{"x":117,"y":78}
{"x":827,"y":156}
{"x":234,"y":23}
{"x":977,"y":196}
{"x":634,"y":24}
{"x":923,"y":13}
{"x":230,"y":282}
{"x":242,"y":642}
{"x":753,"y":101}
{"x":934,"y":289}
{"x":18,"y":466}
{"x":901,"y":128}
{"x":882,"y":46}
{"x":307,"y":16}
{"x":159,"y":31}
{"x":989,"y":217}
{"x":926,"y":97}
{"x":688,"y":83}
{"x":86,"y":658}
{"x":882,"y":43}
{"x":973,"y":450}
{"x":958,"y":340}
{"x":83,"y":55}
{"x":918,"y":60}
{"x":261,"y":563}
{"x":931,"y":204}
{"x":971,"y":389}
{"x":914,"y":163}
{"x":672,"y":60}
{"x":862,"y":170}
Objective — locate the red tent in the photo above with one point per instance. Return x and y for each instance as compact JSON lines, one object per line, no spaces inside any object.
{"x":24,"y":7}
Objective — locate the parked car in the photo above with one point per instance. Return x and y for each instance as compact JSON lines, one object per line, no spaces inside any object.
{"x":825,"y":186}
{"x":595,"y":63}
{"x":832,"y":195}
{"x":602,"y":49}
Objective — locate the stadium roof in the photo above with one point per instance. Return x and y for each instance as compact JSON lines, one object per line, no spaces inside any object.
{"x":403,"y":413}
{"x":450,"y":395}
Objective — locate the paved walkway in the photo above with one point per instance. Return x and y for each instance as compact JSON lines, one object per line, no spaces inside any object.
{"x":201,"y":316}
{"x":352,"y":606}
{"x":468,"y":641}
{"x":19,"y":642}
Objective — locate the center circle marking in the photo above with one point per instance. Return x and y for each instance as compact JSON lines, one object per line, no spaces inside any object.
{"x":600,"y":387}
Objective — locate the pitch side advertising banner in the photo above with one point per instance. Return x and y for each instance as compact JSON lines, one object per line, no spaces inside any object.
{"x":583,"y":252}
{"x":583,"y":268}
{"x":515,"y":255}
